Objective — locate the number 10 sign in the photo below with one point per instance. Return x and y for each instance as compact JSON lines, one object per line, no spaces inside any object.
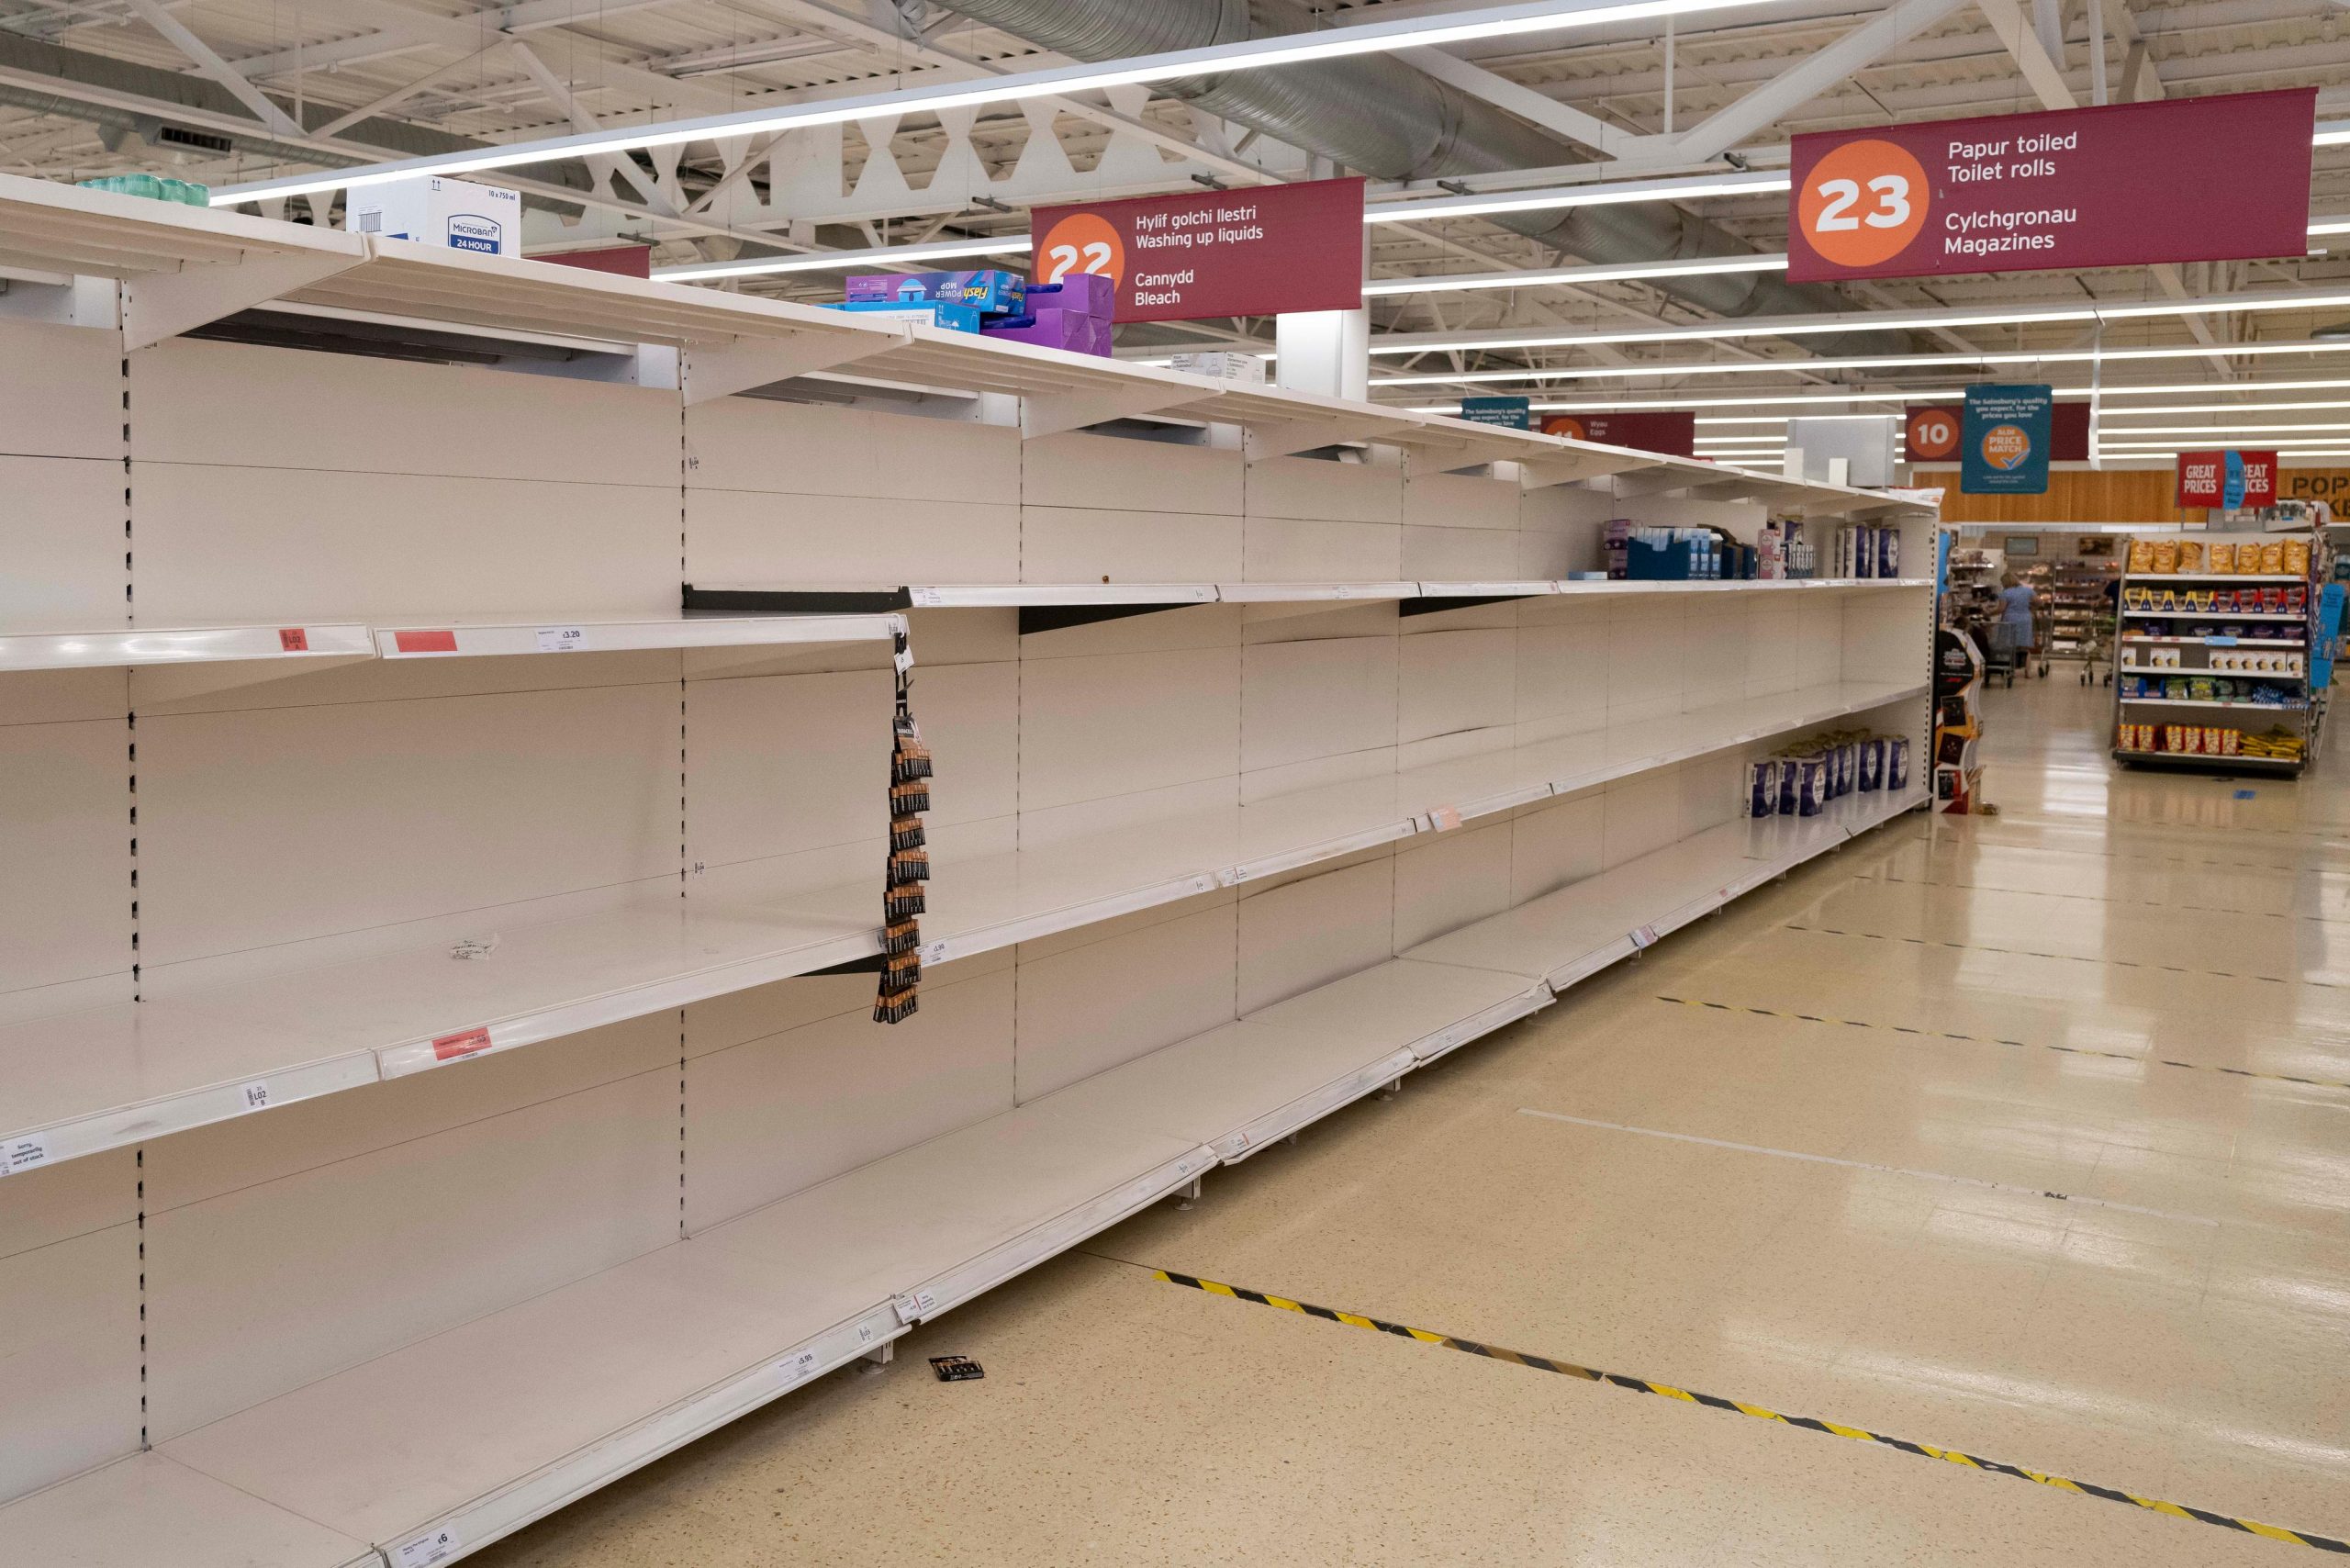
{"x":2127,"y":184}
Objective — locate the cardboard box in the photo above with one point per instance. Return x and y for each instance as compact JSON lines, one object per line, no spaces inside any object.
{"x":430,"y":210}
{"x":939,"y":313}
{"x":988,"y":292}
{"x":1088,"y":294}
{"x":1247,"y":367}
{"x":1050,"y":329}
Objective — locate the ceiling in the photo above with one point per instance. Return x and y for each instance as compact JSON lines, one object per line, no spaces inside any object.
{"x":89,"y":87}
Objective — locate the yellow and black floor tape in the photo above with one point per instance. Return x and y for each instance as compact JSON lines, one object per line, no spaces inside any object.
{"x":2069,"y":958}
{"x":1643,"y":1385}
{"x":2025,"y":1045}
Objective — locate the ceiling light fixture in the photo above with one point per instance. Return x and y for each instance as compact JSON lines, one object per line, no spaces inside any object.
{"x":829,"y":261}
{"x":1434,"y":31}
{"x":1632,"y":272}
{"x":1873,"y":362}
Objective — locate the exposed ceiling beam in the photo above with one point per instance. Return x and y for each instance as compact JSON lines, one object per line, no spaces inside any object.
{"x":2015,"y":33}
{"x":1816,"y":73}
{"x":209,"y":62}
{"x":1524,"y":102}
{"x":607,"y":166}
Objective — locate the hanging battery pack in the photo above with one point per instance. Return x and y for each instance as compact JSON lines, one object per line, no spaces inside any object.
{"x":908,"y":866}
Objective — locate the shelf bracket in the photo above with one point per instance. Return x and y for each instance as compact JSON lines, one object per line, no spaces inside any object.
{"x":1053,"y":413}
{"x":1437,"y":604}
{"x":1035,"y":618}
{"x":1288,"y":437}
{"x":1540,"y":470}
{"x":157,"y":305}
{"x":721,"y":370}
{"x":1656,"y":481}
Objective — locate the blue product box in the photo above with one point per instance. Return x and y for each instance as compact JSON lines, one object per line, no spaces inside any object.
{"x":1762,"y":788}
{"x":1848,"y":766}
{"x":1896,"y":762}
{"x":937,"y":313}
{"x":1889,"y":552}
{"x":988,"y":292}
{"x":1872,"y":764}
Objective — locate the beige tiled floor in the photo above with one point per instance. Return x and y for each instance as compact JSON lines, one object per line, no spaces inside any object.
{"x":1924,"y":1286}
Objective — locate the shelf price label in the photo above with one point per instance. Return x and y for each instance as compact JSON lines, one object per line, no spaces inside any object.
{"x":1643,"y":936}
{"x":797,"y":1366}
{"x":22,"y":1153}
{"x":292,"y":639}
{"x":1444,"y":819}
{"x":915,"y":1305}
{"x":562,"y":639}
{"x":437,"y":1546}
{"x":255,"y":1095}
{"x":464,"y":1043}
{"x":926,"y":597}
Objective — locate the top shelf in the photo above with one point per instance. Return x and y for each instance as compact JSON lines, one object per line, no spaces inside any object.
{"x":183,"y":267}
{"x":2149,"y":578}
{"x":288,"y":650}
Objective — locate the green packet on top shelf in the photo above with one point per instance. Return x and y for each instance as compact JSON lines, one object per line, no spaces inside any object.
{"x":154,"y":186}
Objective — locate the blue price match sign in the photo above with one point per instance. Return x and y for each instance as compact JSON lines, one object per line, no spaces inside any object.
{"x":2004,"y":438}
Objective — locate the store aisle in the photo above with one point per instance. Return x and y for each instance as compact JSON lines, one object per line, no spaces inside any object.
{"x":2023,"y":1137}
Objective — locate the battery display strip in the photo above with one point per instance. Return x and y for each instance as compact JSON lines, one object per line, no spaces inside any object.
{"x":908,"y":866}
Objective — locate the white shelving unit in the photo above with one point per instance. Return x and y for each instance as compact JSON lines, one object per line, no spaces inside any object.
{"x":1279,"y":753}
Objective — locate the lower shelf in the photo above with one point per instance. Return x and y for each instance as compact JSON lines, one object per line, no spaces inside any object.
{"x":437,"y":1448}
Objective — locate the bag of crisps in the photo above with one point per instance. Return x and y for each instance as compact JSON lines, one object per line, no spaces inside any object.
{"x":2297,"y":556}
{"x":2223,"y":555}
{"x":2142,"y":556}
{"x":2190,"y":554}
{"x":2272,"y":555}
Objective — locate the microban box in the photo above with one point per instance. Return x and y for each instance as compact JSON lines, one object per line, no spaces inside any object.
{"x":458,"y":214}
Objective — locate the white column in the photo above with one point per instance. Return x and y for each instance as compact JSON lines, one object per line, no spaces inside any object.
{"x":1324,"y":351}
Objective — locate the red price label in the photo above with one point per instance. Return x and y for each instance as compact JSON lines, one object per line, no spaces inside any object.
{"x":292,"y":639}
{"x":464,"y":1043}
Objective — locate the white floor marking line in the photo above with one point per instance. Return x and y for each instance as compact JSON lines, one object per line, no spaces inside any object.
{"x":1868,"y":1165}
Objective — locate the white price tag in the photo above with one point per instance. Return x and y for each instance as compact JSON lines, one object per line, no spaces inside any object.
{"x":439,"y":1546}
{"x":256,"y":1096}
{"x":1240,"y":1140}
{"x":928,"y":598}
{"x":933,"y":953}
{"x":1643,"y":936}
{"x":797,"y":1366}
{"x":474,"y":946}
{"x":562,"y":639}
{"x":24,"y":1153}
{"x":903,"y":659}
{"x":865,"y":1333}
{"x":1444,"y":819}
{"x":918,"y":1305}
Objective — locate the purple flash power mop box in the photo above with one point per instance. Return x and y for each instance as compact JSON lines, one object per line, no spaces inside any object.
{"x":1051,"y":329}
{"x":989,"y":293}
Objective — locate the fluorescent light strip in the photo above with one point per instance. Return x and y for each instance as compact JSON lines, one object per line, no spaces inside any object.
{"x":2217,"y":408}
{"x":1873,"y":362}
{"x":1687,"y":189}
{"x":1632,"y":273}
{"x":1629,"y":405}
{"x":2230,"y":432}
{"x":833,"y":261}
{"x":1254,"y":54}
{"x":1759,"y":261}
{"x":1813,"y":326}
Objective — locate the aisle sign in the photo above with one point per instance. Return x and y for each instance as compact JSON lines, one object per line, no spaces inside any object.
{"x":1672,"y":432}
{"x":1931,"y":433}
{"x":1265,"y":251}
{"x":2176,"y":180}
{"x":1509,"y":413}
{"x":2227,"y":479}
{"x":2004,"y":440}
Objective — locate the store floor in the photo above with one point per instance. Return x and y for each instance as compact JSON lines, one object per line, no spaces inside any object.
{"x":2032,"y":1182}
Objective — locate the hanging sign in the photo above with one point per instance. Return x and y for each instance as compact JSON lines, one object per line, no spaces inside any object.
{"x":2227,"y":479}
{"x":1510,"y":413}
{"x":1672,"y":432}
{"x":1266,"y":251}
{"x":2176,"y":180}
{"x":2004,"y":440}
{"x":1931,"y":433}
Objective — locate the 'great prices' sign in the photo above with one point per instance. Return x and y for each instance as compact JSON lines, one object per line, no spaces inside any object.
{"x":2227,"y":478}
{"x":1262,"y":251}
{"x":1670,"y":431}
{"x":2180,"y":179}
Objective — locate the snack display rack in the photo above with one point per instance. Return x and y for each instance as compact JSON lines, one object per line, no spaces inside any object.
{"x":2215,"y":667}
{"x":2078,"y":596}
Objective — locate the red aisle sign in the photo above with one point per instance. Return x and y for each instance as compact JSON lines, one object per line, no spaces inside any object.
{"x":2178,"y":180}
{"x":1931,"y":433}
{"x":1260,"y":251}
{"x":2227,"y":479}
{"x":1673,"y":432}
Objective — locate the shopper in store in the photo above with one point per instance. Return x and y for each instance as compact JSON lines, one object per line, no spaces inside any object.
{"x":2014,"y":634}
